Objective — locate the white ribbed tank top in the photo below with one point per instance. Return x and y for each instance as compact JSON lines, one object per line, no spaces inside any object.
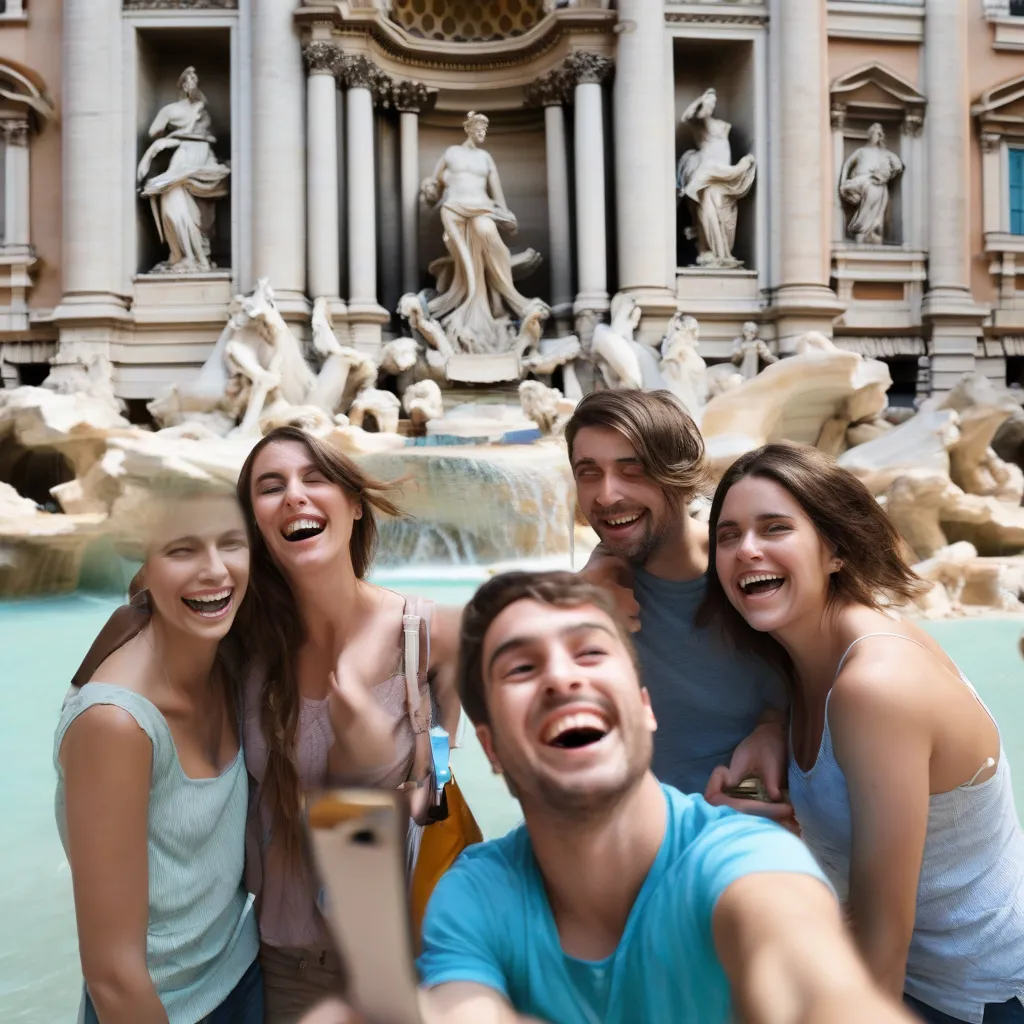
{"x":968,"y":943}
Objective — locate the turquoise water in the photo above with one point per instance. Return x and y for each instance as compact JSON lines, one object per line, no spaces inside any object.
{"x":41,"y":644}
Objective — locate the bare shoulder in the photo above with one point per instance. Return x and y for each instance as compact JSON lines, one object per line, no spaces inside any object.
{"x":106,"y":732}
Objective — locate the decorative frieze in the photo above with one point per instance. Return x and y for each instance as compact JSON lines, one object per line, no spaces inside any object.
{"x":180,"y":5}
{"x":322,"y":57}
{"x":583,"y":67}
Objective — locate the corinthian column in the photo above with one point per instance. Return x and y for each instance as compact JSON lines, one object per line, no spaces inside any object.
{"x":644,"y":163}
{"x":410,"y":98}
{"x":550,"y":93}
{"x":323,"y":58}
{"x":587,"y":72}
{"x":362,"y":78}
{"x":804,"y":299}
{"x":948,"y":307}
{"x":278,"y":154}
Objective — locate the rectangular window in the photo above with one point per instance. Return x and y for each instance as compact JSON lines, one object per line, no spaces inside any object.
{"x":1016,"y":191}
{"x":1017,"y":8}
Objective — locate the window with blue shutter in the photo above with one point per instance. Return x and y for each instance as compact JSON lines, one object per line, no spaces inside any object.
{"x":1017,"y":191}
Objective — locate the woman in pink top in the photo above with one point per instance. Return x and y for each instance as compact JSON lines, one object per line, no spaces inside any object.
{"x":325,"y":702}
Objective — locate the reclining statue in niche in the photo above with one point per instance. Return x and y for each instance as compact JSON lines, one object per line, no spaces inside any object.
{"x":711,"y":184}
{"x":477,"y":299}
{"x":182,"y":196}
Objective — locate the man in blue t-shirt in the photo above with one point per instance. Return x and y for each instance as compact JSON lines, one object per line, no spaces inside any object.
{"x":638,"y":461}
{"x":620,"y":900}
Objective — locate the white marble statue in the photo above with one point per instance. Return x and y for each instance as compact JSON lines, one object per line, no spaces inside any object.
{"x":712,"y":184}
{"x":181,"y":197}
{"x":383,"y":406}
{"x":749,"y":351}
{"x":682,"y":366}
{"x":864,"y":184}
{"x":399,"y":356}
{"x":552,"y":354}
{"x":477,"y":298}
{"x":423,"y":402}
{"x":344,"y":371}
{"x":416,"y":309}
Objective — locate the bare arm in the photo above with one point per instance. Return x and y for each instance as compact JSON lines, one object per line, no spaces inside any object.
{"x":780,"y":939}
{"x":883,"y":745}
{"x":464,"y":1002}
{"x":107,"y":763}
{"x":611,"y":573}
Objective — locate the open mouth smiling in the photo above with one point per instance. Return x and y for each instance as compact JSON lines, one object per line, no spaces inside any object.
{"x":761,"y":584}
{"x":303,"y":528}
{"x":621,"y":521}
{"x":575,"y":729}
{"x":212,"y":605}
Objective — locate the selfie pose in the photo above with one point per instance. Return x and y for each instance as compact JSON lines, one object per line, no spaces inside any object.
{"x":897,"y":774}
{"x":620,"y":899}
{"x":152,"y":790}
{"x":325,"y":699}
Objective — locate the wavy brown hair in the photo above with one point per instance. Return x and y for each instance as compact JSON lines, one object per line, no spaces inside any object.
{"x":848,"y":519}
{"x":274,"y":624}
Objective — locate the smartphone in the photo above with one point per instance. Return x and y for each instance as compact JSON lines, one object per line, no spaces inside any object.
{"x":358,"y":840}
{"x":752,"y":788}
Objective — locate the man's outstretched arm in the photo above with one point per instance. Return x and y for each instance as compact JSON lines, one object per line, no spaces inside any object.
{"x":781,"y":941}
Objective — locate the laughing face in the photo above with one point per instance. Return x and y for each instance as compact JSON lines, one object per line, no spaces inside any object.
{"x":570,"y":726}
{"x":304,"y":519}
{"x":773,"y":564}
{"x":197,"y":569}
{"x":626,"y":508}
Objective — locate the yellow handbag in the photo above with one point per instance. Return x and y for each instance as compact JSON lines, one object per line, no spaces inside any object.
{"x":448,"y":825}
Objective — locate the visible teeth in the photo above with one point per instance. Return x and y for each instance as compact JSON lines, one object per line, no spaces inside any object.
{"x":210,"y":598}
{"x":758,"y":577}
{"x":577,"y":720}
{"x":623,"y":520}
{"x":302,"y":524}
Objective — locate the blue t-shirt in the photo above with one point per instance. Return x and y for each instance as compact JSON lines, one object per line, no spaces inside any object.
{"x":706,"y":695}
{"x":489,"y":922}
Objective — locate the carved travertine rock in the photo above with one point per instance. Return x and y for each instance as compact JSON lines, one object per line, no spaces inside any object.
{"x":546,"y":407}
{"x":383,"y":406}
{"x":423,"y":402}
{"x":398,"y":356}
{"x":612,"y":347}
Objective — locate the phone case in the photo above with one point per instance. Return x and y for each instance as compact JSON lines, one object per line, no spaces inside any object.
{"x":358,"y":841}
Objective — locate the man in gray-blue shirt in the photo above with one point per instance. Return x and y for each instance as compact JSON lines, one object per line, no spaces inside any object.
{"x":638,"y":460}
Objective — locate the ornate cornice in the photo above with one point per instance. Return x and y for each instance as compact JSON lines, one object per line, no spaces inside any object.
{"x":180,"y":5}
{"x":550,"y":90}
{"x":698,"y":18}
{"x":322,"y":57}
{"x":583,"y":67}
{"x":15,"y":132}
{"x":411,"y":97}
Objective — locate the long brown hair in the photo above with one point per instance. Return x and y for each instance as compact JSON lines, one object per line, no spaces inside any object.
{"x":848,"y":519}
{"x":274,"y":625}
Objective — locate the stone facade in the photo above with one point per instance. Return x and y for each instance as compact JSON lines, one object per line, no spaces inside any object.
{"x":330,"y":117}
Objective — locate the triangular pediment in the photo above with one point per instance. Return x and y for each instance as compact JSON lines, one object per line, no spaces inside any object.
{"x":1001,"y":108}
{"x":873,"y":89}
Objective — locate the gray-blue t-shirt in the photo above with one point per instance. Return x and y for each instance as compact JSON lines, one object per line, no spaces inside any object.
{"x":706,"y":695}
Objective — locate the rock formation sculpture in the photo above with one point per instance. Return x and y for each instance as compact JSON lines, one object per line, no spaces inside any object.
{"x":711,"y":184}
{"x":181,"y":196}
{"x":423,"y":402}
{"x":546,"y":407}
{"x":383,"y":406}
{"x":477,"y":297}
{"x":864,"y":185}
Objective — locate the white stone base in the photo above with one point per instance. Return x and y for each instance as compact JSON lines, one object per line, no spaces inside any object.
{"x":887,"y":267}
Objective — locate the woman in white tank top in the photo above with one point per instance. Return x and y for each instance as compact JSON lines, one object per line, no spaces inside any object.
{"x":897,"y":775}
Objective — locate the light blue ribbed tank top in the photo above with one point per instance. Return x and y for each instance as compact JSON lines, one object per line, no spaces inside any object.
{"x":201,"y":937}
{"x":968,"y":943}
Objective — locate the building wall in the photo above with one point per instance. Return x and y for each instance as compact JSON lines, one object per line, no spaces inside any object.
{"x":34,"y":47}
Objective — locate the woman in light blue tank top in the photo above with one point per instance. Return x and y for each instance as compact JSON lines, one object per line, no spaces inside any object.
{"x":897,"y":774}
{"x":152,"y":791}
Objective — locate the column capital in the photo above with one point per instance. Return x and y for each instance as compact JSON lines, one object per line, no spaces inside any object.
{"x":322,"y":57}
{"x":583,"y":67}
{"x":550,"y":90}
{"x":913,"y":123}
{"x":410,"y":97}
{"x":990,"y":141}
{"x":837,"y":116}
{"x":359,"y":72}
{"x":15,"y":132}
